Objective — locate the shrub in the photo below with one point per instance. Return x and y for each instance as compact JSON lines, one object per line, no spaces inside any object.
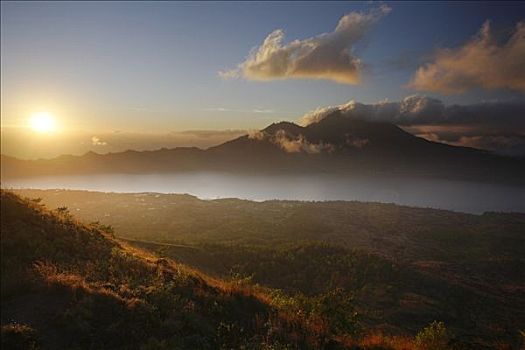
{"x":433,"y":337}
{"x":18,"y":337}
{"x":337,"y":306}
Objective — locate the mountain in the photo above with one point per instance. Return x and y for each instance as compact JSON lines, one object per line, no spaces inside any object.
{"x":336,"y":144}
{"x":337,"y":134}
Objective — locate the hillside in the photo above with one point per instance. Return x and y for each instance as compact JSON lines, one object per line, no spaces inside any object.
{"x":336,"y":144}
{"x":407,"y":233}
{"x":70,"y":285}
{"x":405,"y":267}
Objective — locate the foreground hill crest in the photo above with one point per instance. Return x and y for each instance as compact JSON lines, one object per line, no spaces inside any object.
{"x":70,"y":285}
{"x":65,"y":285}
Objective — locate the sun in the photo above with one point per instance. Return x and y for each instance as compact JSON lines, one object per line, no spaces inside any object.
{"x":42,"y":122}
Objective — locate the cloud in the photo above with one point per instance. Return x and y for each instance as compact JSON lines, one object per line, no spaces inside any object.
{"x":258,"y":110}
{"x":193,"y":135}
{"x":422,"y":110}
{"x":253,"y":110}
{"x":481,"y":62}
{"x":495,"y":126}
{"x":95,"y":141}
{"x":325,"y":56}
{"x":256,"y":135}
{"x":476,"y":137}
{"x":412,"y":109}
{"x":298,"y":144}
{"x":506,"y":145}
{"x":290,"y":143}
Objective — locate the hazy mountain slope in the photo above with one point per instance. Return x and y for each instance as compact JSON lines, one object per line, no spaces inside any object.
{"x":336,"y":144}
{"x":69,"y":285}
{"x":91,"y":163}
{"x":345,"y":135}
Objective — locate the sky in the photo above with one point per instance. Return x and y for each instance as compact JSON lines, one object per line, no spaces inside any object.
{"x":117,"y":75}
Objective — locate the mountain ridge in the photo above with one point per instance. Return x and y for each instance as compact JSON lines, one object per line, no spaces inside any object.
{"x":336,"y":144}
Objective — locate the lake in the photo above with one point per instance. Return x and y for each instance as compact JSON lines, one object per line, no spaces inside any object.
{"x":470,"y":197}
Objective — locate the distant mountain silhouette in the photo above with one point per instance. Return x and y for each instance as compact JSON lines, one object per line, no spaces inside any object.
{"x":343,"y":135}
{"x":336,"y":144}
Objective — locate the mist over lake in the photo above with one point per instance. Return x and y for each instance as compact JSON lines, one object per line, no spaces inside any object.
{"x":463,"y":196}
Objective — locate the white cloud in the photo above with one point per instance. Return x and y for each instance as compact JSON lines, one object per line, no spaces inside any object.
{"x":412,"y":109}
{"x":96,"y":141}
{"x":298,"y":144}
{"x":233,"y":110}
{"x":256,"y":135}
{"x":423,"y":110}
{"x":481,"y":62}
{"x":290,"y":143}
{"x":326,"y":56}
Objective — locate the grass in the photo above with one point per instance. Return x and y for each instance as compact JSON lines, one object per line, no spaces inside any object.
{"x":66,"y":284}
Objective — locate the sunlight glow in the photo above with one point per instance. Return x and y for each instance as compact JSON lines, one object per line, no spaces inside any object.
{"x":43,"y":122}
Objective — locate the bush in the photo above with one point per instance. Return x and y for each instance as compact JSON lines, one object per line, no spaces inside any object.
{"x":433,"y":337}
{"x":18,"y":337}
{"x":337,"y":306}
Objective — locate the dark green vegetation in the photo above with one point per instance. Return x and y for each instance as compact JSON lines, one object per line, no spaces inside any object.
{"x":399,"y":268}
{"x":70,"y":286}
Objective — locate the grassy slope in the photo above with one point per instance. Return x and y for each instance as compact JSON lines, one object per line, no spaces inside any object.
{"x":392,"y":297}
{"x":67,"y":285}
{"x":412,"y":265}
